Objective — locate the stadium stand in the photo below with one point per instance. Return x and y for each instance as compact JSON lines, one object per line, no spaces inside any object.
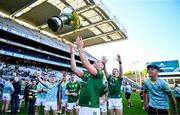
{"x":21,"y":43}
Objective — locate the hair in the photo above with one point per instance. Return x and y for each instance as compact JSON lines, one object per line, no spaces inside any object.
{"x":72,"y":73}
{"x":52,"y":75}
{"x":115,"y":69}
{"x":16,"y":79}
{"x":11,"y":79}
{"x":33,"y":80}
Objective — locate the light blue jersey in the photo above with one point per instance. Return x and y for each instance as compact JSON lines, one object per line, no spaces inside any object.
{"x":8,"y":87}
{"x":157,"y":93}
{"x":52,"y":90}
{"x":41,"y":95}
{"x":177,"y":91}
{"x":63,"y":90}
{"x":128,"y":89}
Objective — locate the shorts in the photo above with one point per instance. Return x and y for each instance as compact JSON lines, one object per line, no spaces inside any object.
{"x":154,"y":111}
{"x":21,"y":97}
{"x":71,"y":106}
{"x":115,"y":103}
{"x":141,"y":97}
{"x":128,"y":95}
{"x":6,"y":96}
{"x":89,"y":111}
{"x":50,"y":105}
{"x":40,"y":102}
{"x":64,"y":102}
{"x":103,"y":107}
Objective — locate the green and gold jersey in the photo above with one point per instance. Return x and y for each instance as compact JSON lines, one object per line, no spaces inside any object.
{"x":32,"y":92}
{"x":114,"y":87}
{"x":73,"y":88}
{"x":90,"y":89}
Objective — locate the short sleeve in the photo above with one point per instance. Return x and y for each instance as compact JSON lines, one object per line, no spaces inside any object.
{"x":177,"y":90}
{"x":166,"y":86}
{"x":145,"y":86}
{"x":67,"y":86}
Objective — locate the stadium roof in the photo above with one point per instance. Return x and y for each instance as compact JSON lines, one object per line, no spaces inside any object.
{"x":97,"y":24}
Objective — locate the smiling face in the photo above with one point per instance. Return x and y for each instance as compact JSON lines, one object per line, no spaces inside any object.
{"x":98,"y":64}
{"x":152,"y":72}
{"x":53,"y":79}
{"x":115,"y":72}
{"x":33,"y":82}
{"x":73,"y":77}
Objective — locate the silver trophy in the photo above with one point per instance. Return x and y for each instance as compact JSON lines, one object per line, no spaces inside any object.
{"x":68,"y":16}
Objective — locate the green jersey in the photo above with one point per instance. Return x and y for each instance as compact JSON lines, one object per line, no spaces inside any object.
{"x":90,"y":89}
{"x":73,"y":88}
{"x":114,"y":87}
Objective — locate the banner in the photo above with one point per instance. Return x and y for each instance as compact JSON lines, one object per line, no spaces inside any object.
{"x":166,"y":66}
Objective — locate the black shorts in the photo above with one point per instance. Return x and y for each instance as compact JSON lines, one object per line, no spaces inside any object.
{"x":154,"y":111}
{"x":128,"y":95}
{"x":141,"y":97}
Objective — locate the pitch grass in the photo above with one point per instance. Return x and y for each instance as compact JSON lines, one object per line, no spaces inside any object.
{"x":136,"y":108}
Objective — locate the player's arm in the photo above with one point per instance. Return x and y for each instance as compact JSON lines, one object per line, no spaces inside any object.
{"x":79,"y":87}
{"x":120,"y":65}
{"x":173,"y":102}
{"x":168,"y":91}
{"x":67,"y":92}
{"x":63,"y":78}
{"x":60,"y":94}
{"x":12,"y":89}
{"x":38,"y":76}
{"x":92,"y":70}
{"x":74,"y":68}
{"x":145,"y":104}
{"x":104,"y":60}
{"x":106,"y":96}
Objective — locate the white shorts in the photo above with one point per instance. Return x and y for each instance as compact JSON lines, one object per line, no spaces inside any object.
{"x":40,"y":102}
{"x":115,"y":103}
{"x":103,"y":107}
{"x":20,"y":97}
{"x":64,"y":102}
{"x":50,"y":105}
{"x":71,"y":106}
{"x":6,"y":96}
{"x":89,"y":111}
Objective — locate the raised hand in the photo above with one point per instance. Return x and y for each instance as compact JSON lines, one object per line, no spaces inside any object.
{"x":118,"y":58}
{"x":79,"y":42}
{"x":104,"y":59}
{"x":72,"y":49}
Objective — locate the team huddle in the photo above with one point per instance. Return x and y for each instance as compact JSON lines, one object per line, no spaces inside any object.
{"x":91,"y":95}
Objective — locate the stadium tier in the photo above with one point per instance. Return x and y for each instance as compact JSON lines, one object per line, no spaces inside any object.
{"x":21,"y":44}
{"x":97,"y":24}
{"x":26,"y":37}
